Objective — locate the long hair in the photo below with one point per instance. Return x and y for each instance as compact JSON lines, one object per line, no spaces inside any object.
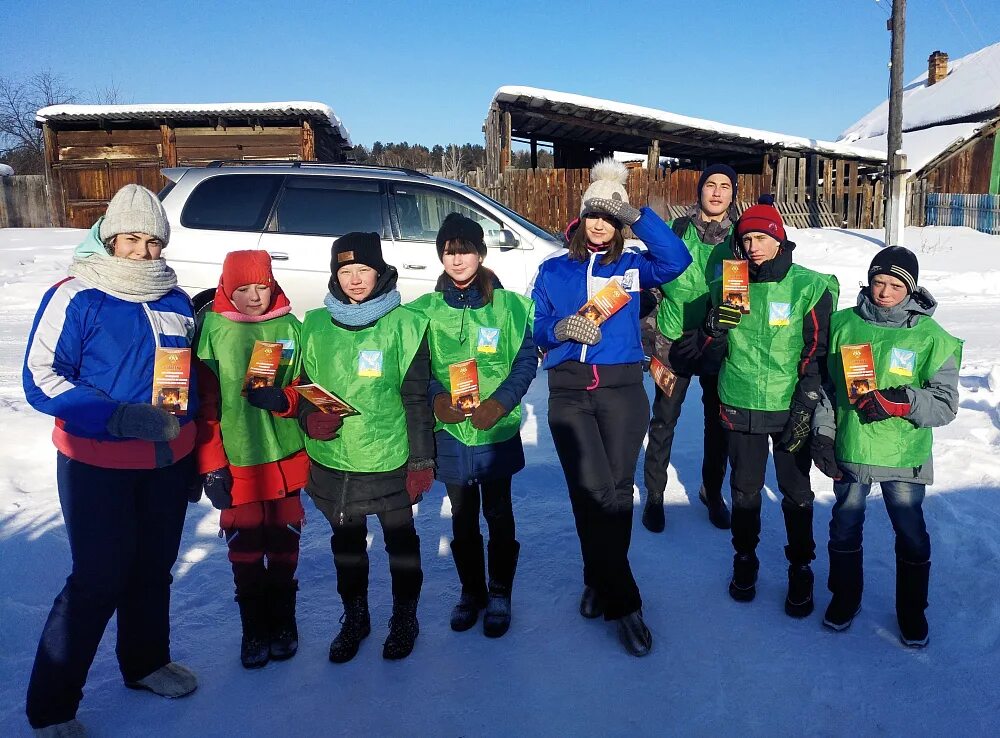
{"x":484,"y":276}
{"x":578,"y":250}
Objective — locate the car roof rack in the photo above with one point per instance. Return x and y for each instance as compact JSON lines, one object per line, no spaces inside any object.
{"x":218,"y":163}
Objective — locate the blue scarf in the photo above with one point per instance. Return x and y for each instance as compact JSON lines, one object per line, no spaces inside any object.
{"x":362,"y":314}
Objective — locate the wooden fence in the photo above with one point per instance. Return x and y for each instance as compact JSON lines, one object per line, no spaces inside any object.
{"x":981,"y":212}
{"x":23,"y":202}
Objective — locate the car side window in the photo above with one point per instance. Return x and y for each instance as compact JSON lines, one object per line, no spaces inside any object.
{"x":420,"y":211}
{"x":329,"y":206}
{"x":232,"y":202}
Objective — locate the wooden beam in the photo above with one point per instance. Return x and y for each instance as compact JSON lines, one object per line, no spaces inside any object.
{"x":168,"y":144}
{"x":766,"y":175}
{"x":56,"y":203}
{"x":534,"y":153}
{"x":308,"y":142}
{"x":505,"y":145}
{"x":653,"y":156}
{"x":781,"y":189}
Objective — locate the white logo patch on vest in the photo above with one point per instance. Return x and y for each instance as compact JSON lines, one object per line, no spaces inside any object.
{"x":902,"y":361}
{"x":489,"y":339}
{"x":780,"y":313}
{"x":370,"y":364}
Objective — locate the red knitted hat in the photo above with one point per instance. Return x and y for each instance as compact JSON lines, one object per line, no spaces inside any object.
{"x":762,"y":218}
{"x":245,"y":267}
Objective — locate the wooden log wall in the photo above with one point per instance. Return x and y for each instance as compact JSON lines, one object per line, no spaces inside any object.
{"x":24,"y":202}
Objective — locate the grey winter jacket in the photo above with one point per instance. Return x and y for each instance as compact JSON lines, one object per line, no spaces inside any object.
{"x":933,"y":405}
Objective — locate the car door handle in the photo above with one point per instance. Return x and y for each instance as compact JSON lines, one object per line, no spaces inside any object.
{"x":278,"y":255}
{"x":414,"y":266}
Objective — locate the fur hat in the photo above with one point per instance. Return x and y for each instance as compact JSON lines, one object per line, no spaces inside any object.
{"x":457,"y":226}
{"x":607,"y":181}
{"x":134,"y":209}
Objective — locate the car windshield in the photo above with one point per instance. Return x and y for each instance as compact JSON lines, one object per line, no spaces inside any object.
{"x":535,"y":229}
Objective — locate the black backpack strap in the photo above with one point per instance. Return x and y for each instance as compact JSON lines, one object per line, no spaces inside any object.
{"x":680,"y":226}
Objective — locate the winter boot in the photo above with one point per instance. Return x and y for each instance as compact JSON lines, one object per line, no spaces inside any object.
{"x":470,"y":564}
{"x":718,"y":513}
{"x":799,"y":600}
{"x":801,"y":550}
{"x":911,"y":600}
{"x":503,"y":563}
{"x":254,"y":647}
{"x":284,"y":631}
{"x":846,"y":582}
{"x":743,"y":585}
{"x":403,"y":630}
{"x":70,"y":729}
{"x":355,"y":625}
{"x":591,"y":605}
{"x":634,"y":634}
{"x":171,"y":680}
{"x":652,"y":513}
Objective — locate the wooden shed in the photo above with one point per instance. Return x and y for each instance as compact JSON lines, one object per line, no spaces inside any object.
{"x":93,"y":150}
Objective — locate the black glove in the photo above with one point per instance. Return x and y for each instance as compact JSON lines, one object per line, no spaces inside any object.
{"x":268,"y":398}
{"x":689,"y":346}
{"x":892,"y":402}
{"x":797,"y":429}
{"x":577,"y":328}
{"x":144,"y":421}
{"x":194,"y":488}
{"x":823,"y":456}
{"x":617,"y":209}
{"x":722,"y":318}
{"x":219,"y":487}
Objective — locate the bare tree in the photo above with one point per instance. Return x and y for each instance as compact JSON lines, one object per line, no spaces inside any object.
{"x":20,"y":140}
{"x":451,"y":161}
{"x":111,"y":94}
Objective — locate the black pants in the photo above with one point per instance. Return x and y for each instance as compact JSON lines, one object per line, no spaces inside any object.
{"x":598,"y":434}
{"x":748,"y":461}
{"x":350,"y":554}
{"x":497,"y":509}
{"x":666,"y":411}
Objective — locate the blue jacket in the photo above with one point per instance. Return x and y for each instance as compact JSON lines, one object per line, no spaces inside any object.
{"x":563,"y":285}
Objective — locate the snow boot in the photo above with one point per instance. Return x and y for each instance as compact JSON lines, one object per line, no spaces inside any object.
{"x":171,"y":680}
{"x":254,"y":646}
{"x":799,"y":600}
{"x":652,"y":514}
{"x":800,"y":551}
{"x":503,"y":563}
{"x":355,"y":625}
{"x":284,"y":630}
{"x":743,"y":584}
{"x":634,"y":634}
{"x":470,"y":564}
{"x":718,"y":513}
{"x":591,"y":605}
{"x":846,"y":582}
{"x":403,"y":630}
{"x":912,"y":581}
{"x":70,"y":729}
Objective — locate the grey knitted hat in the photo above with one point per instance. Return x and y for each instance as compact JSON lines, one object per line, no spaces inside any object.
{"x":607,"y":181}
{"x":134,"y":209}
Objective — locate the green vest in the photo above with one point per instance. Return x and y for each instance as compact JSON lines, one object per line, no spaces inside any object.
{"x":903,"y":357}
{"x":251,"y":436}
{"x":685,"y":299}
{"x":492,"y":335}
{"x":761,"y":368}
{"x":365,"y":368}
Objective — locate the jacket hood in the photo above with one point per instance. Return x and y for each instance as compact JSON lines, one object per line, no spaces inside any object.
{"x":470,"y":296}
{"x":919,"y":303}
{"x":92,"y":245}
{"x":385,"y":283}
{"x":279,"y":302}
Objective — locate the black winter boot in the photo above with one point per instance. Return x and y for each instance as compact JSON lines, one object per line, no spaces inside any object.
{"x":799,"y":600}
{"x":743,"y":585}
{"x":403,"y":630}
{"x":652,"y":513}
{"x":503,"y":564}
{"x":470,"y":563}
{"x":718,"y":513}
{"x":355,"y":627}
{"x":254,"y":647}
{"x":591,"y":605}
{"x":284,"y":630}
{"x":800,"y":551}
{"x":634,"y":634}
{"x":912,"y":581}
{"x":846,"y":582}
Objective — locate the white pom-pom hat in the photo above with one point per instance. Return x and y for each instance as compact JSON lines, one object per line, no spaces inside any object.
{"x":607,"y":181}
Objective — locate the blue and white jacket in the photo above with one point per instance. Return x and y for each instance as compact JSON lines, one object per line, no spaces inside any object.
{"x":563,"y":286}
{"x":88,"y":352}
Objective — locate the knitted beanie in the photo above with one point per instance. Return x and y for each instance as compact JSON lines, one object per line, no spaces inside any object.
{"x":457,"y":227}
{"x":898,"y":262}
{"x":719,"y":169}
{"x":246,"y":267}
{"x":762,"y":218}
{"x":357,"y":248}
{"x":607,"y":181}
{"x":134,"y":209}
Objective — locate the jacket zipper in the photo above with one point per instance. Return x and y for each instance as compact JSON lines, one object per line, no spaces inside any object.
{"x":152,"y":325}
{"x":342,"y":515}
{"x":590,"y":294}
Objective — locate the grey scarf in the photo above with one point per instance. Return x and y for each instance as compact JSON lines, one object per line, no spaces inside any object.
{"x":711,"y":232}
{"x":127,"y":279}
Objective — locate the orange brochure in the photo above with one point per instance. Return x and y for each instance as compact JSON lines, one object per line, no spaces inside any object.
{"x":263,"y":367}
{"x":172,"y":379}
{"x":736,"y":284}
{"x":859,"y":370}
{"x":464,"y":378}
{"x":665,"y":379}
{"x":609,"y":300}
{"x":325,"y":400}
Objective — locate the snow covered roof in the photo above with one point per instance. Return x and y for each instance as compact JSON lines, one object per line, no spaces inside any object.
{"x":924,"y":146}
{"x":6,"y":170}
{"x":317,"y":111}
{"x":599,"y":112}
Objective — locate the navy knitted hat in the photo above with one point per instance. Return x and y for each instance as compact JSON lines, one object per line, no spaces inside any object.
{"x":719,"y":169}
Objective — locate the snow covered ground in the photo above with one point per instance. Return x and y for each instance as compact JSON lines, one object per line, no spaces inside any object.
{"x":717,"y":667}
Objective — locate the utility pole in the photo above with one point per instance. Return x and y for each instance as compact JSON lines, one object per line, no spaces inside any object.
{"x":896,"y":171}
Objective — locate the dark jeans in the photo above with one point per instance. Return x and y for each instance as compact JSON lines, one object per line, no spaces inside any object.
{"x":350,"y":554}
{"x":259,"y":531}
{"x":903,"y":502}
{"x":748,"y":463}
{"x":666,"y":411}
{"x":124,"y":528}
{"x":497,"y":509}
{"x":598,"y":434}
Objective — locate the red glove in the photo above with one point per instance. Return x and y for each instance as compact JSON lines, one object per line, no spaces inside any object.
{"x":883,"y":404}
{"x":418,"y":481}
{"x":322,"y":426}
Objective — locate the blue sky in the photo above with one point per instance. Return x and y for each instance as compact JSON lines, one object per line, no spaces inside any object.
{"x":426,"y":71}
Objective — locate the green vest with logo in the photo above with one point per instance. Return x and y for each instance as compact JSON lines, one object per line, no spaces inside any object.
{"x":903,"y":357}
{"x":492,"y":335}
{"x":685,"y":299}
{"x":366,"y":369}
{"x":761,"y":368}
{"x":251,"y":436}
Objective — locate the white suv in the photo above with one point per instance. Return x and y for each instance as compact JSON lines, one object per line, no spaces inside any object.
{"x":295,"y":210}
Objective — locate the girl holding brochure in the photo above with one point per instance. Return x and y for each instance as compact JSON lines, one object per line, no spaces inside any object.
{"x":598,"y":409}
{"x":480,"y":330}
{"x":254,"y":462}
